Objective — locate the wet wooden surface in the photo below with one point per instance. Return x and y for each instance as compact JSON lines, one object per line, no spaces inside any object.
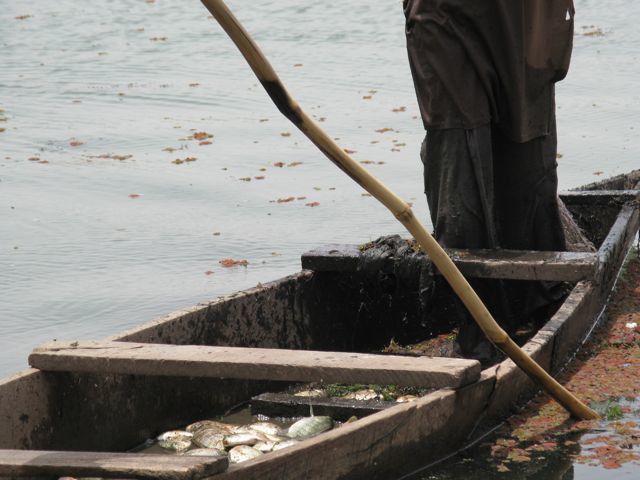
{"x":254,"y":363}
{"x":19,"y":463}
{"x":507,"y":264}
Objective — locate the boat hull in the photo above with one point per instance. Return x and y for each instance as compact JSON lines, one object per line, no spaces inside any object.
{"x":309,"y":310}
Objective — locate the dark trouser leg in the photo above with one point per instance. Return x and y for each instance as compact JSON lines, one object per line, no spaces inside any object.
{"x":459,"y":184}
{"x":486,"y":192}
{"x":526,"y":185}
{"x":458,"y":180}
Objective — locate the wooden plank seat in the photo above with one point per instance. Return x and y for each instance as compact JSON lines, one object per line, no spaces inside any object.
{"x":254,"y":363}
{"x":36,"y":463}
{"x":599,"y":197}
{"x":506,"y":264}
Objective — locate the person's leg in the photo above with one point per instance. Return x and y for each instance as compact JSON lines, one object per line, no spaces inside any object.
{"x":528,"y":215}
{"x":458,"y":181}
{"x":458,"y":174}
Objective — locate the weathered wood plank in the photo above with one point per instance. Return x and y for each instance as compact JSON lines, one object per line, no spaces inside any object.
{"x":598,"y":197}
{"x":507,"y":264}
{"x":524,"y":265}
{"x":32,"y":463}
{"x":254,"y":363}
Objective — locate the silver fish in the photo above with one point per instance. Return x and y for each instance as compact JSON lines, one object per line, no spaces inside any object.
{"x":242,"y":453}
{"x":209,"y":438}
{"x":362,"y":395}
{"x":205,"y":452}
{"x":176,"y":440}
{"x":265,"y":427}
{"x":223,"y":428}
{"x":309,"y":427}
{"x":406,"y":398}
{"x":265,"y":446}
{"x":243,"y":439}
{"x":314,"y":393}
{"x":285,"y":444}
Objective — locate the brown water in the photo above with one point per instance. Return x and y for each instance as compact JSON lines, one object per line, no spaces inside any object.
{"x":81,"y":81}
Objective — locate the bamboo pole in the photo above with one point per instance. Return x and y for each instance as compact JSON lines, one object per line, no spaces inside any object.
{"x":400,"y":209}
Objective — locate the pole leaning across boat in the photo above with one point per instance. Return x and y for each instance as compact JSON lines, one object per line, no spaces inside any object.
{"x":400,"y":209}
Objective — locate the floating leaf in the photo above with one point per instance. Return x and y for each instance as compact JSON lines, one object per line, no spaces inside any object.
{"x":245,"y":179}
{"x":201,"y":136}
{"x":384,"y":130}
{"x":111,"y":156}
{"x":230,"y":262}
{"x":23,"y":17}
{"x":294,"y":164}
{"x":259,"y":177}
{"x":285,"y":134}
{"x":279,"y":164}
{"x":349,"y":151}
{"x":135,"y":195}
{"x":285,"y":199}
{"x":312,"y":204}
{"x":209,"y":272}
{"x":400,"y":109}
{"x":194,"y":84}
{"x":179,"y":161}
{"x":75,"y":143}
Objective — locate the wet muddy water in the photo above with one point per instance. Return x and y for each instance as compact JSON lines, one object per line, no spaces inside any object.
{"x":117,"y":206}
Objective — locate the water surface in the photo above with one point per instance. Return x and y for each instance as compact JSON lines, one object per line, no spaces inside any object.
{"x":100,"y":230}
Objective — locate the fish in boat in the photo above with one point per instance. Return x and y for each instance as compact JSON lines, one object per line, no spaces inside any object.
{"x":322,"y":324}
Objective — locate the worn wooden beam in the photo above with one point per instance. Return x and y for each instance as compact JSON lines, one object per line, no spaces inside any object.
{"x":598,"y":197}
{"x":523,"y":265}
{"x":254,"y":363}
{"x":36,"y":463}
{"x":507,"y":264}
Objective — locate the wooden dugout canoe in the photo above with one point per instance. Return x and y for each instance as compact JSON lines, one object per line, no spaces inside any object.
{"x":114,"y":404}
